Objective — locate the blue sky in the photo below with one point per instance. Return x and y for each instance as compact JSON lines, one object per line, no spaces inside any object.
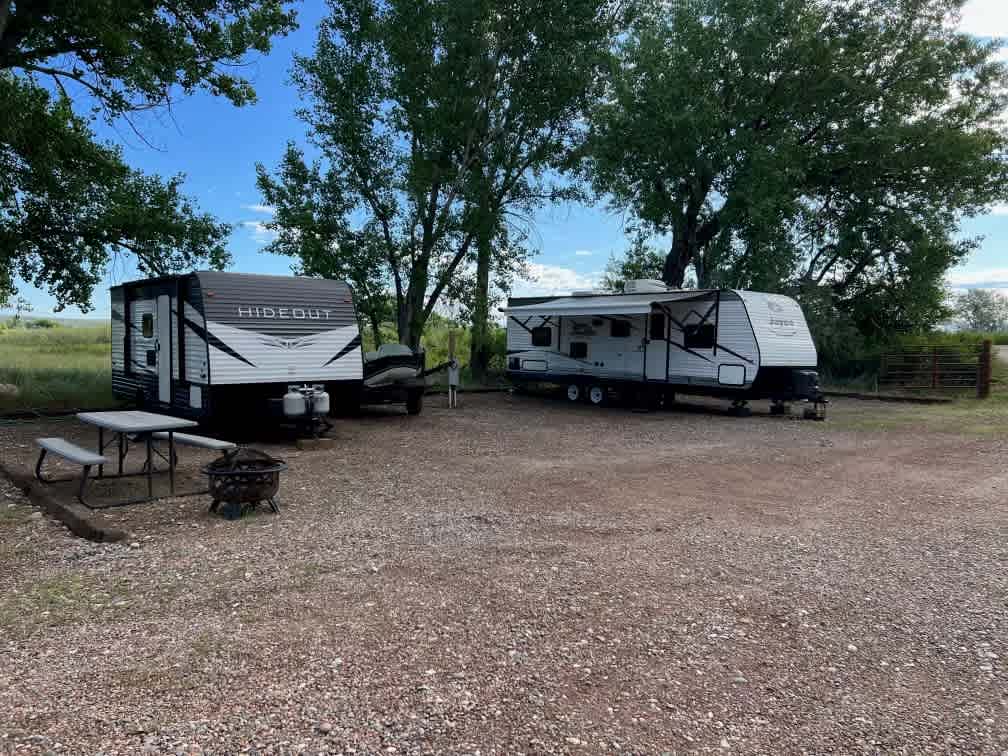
{"x":217,"y":146}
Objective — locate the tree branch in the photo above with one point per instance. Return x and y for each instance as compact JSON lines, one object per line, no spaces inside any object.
{"x":447,"y":273}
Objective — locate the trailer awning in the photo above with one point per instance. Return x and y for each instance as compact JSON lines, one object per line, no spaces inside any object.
{"x":614,"y":304}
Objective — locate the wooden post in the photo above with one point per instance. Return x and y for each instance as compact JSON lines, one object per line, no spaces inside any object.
{"x":984,"y":370}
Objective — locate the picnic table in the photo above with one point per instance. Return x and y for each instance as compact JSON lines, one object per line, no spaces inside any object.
{"x":140,"y":426}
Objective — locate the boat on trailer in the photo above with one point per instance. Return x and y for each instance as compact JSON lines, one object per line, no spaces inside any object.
{"x":725,"y":343}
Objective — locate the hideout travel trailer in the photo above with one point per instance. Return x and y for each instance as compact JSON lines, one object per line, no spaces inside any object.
{"x":211,"y":345}
{"x":736,"y":345}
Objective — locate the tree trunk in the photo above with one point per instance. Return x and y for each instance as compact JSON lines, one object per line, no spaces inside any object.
{"x":375,"y":328}
{"x":404,"y":316}
{"x":679,"y":257}
{"x":690,"y":239}
{"x":410,"y":318}
{"x":479,"y":348}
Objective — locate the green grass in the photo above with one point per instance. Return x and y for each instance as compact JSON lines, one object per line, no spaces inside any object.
{"x":56,"y":368}
{"x":966,"y":417}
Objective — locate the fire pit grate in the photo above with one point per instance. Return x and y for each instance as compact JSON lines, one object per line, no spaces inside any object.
{"x":242,"y":479}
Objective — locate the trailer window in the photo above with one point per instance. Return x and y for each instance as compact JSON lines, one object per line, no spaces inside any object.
{"x":699,"y":336}
{"x":579,"y":350}
{"x":542,"y":336}
{"x":147,"y":325}
{"x":619,"y":329}
{"x":656,"y":328}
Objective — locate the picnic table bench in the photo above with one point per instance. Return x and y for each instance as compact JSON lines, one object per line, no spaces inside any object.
{"x":201,"y":442}
{"x":128,"y":426}
{"x":72,"y":453}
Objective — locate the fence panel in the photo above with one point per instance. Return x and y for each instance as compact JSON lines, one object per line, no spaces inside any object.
{"x":938,"y":368}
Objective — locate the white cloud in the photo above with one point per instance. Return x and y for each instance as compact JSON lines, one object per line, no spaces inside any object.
{"x":985,"y":18}
{"x":994,"y":278}
{"x":1000,"y":208}
{"x":583,"y":253}
{"x":548,"y":280}
{"x":259,"y":233}
{"x":264,"y":209}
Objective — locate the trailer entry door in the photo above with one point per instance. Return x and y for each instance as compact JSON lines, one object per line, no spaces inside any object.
{"x":656,"y":348}
{"x":164,"y":324}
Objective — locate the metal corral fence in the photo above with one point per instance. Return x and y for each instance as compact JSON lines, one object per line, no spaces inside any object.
{"x":954,"y":368}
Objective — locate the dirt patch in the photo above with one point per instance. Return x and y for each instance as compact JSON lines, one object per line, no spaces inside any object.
{"x":525,"y":575}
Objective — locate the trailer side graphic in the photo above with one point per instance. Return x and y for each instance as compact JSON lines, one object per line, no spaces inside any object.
{"x":177,"y":340}
{"x":725,"y":343}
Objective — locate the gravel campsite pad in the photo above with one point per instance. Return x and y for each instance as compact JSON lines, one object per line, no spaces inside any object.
{"x":526,"y":575}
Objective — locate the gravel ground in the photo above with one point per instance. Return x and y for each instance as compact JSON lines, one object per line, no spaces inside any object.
{"x":525,"y":576}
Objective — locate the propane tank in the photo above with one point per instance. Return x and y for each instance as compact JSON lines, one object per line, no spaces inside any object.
{"x":321,"y":403}
{"x":294,"y":404}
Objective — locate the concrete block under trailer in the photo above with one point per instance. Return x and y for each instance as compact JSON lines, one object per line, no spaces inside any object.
{"x":213,"y":345}
{"x":736,"y":345}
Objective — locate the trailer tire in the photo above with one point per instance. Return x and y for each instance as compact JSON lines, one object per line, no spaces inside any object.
{"x":414,"y":402}
{"x":597,"y":395}
{"x":573,"y":392}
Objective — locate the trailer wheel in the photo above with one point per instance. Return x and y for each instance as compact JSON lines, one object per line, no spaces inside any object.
{"x":596,"y":395}
{"x":573,"y":392}
{"x":414,"y":402}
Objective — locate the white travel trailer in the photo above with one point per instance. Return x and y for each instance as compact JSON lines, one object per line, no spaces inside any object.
{"x":737,"y":345}
{"x":210,"y":344}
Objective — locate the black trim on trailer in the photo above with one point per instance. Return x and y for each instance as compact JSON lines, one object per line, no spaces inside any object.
{"x":180,"y":329}
{"x":759,"y":355}
{"x":353,"y":344}
{"x":717,"y":318}
{"x":703,"y":318}
{"x":212,"y":340}
{"x":645,"y":340}
{"x":717,"y":346}
{"x":695,"y":354}
{"x":525,"y":324}
{"x":127,"y":334}
{"x":668,"y":347}
{"x":734,"y":354}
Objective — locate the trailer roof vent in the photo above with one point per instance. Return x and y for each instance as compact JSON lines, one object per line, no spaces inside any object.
{"x":644,"y":286}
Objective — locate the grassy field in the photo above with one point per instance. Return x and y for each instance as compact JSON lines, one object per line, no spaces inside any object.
{"x":68,"y":367}
{"x":55,"y":368}
{"x":968,"y":417}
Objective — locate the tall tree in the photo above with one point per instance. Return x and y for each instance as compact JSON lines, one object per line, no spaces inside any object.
{"x":538,"y":67}
{"x":69,"y":203}
{"x":805,"y":141}
{"x":433,"y":117}
{"x":982,"y":310}
{"x":310,"y":219}
{"x":641,"y":260}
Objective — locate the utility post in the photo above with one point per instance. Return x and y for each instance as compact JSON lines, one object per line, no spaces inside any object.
{"x":453,"y":372}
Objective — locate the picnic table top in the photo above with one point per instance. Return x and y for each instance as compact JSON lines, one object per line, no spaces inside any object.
{"x":134,"y":421}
